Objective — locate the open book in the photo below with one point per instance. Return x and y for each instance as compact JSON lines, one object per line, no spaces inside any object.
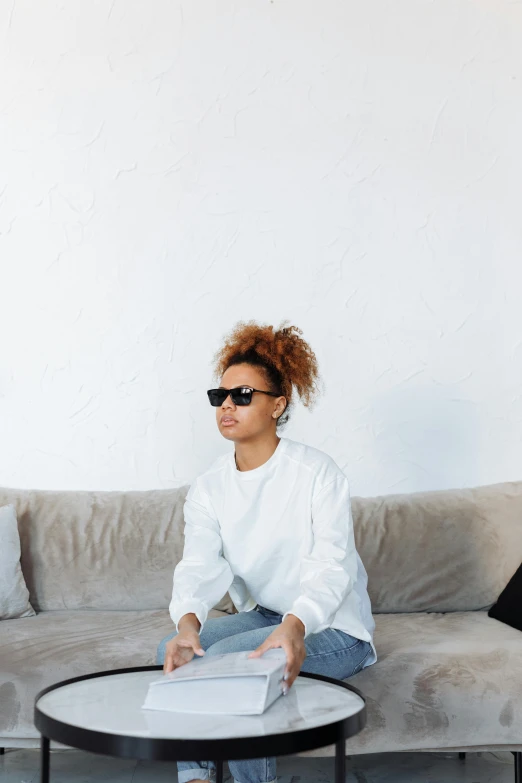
{"x":228,"y":684}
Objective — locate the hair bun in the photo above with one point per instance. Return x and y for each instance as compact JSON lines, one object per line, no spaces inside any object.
{"x":285,"y":363}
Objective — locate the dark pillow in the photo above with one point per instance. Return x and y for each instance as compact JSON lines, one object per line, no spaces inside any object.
{"x":508,"y":608}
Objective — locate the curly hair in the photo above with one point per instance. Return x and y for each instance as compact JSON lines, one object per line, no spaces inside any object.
{"x":285,"y":359}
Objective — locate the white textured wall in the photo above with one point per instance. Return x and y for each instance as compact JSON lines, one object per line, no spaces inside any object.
{"x":169,"y":168}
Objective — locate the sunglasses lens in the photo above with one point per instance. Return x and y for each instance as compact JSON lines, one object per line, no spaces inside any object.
{"x":241,"y":396}
{"x":216,"y":397}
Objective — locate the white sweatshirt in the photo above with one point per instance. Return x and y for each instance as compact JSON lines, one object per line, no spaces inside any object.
{"x":280,"y":535}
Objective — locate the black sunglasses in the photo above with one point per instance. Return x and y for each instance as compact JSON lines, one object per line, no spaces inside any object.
{"x":241,"y":395}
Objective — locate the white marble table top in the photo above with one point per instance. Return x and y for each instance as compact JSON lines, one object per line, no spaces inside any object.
{"x":112,"y":704}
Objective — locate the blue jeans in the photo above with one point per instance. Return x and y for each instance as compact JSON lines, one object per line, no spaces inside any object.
{"x":331,"y":652}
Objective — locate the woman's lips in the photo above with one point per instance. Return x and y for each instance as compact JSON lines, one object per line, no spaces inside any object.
{"x":228,"y":422}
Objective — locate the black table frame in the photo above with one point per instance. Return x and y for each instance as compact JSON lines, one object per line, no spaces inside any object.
{"x":166,"y":749}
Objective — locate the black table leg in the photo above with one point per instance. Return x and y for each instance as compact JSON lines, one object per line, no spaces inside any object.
{"x":44,"y":759}
{"x":340,"y":761}
{"x":219,"y":771}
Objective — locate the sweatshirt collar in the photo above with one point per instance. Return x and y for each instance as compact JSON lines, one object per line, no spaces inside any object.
{"x":262,"y":470}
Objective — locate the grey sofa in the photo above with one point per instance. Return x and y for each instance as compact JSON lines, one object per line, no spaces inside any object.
{"x":99,"y":568}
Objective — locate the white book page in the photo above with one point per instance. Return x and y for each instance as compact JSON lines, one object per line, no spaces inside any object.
{"x":226,"y":665}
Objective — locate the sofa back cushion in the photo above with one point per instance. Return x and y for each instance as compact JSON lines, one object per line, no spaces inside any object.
{"x":439,"y":551}
{"x":100,"y":550}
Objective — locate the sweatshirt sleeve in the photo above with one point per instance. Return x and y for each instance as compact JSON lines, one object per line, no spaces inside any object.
{"x":328,"y":573}
{"x":202,"y":576}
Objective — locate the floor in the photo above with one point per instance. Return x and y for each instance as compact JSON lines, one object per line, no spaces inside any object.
{"x":74,"y":766}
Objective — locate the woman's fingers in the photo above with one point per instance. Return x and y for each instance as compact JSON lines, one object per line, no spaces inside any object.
{"x":182,"y":656}
{"x":290,"y":679}
{"x":192,"y":642}
{"x":173,"y":662}
{"x":290,"y":660}
{"x":294,"y":658}
{"x":180,"y":652}
{"x":168,"y":664}
{"x":263,"y":647}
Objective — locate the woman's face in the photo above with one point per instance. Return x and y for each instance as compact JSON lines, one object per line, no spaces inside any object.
{"x":251,"y":420}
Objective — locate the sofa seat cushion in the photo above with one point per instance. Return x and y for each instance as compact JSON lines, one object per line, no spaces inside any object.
{"x":51,"y":646}
{"x":441,"y":681}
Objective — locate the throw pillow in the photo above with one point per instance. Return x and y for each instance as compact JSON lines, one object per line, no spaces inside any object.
{"x":14,"y":595}
{"x":508,"y":608}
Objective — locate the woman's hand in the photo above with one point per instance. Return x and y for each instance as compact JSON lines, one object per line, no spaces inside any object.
{"x":181,"y":648}
{"x":290,"y":636}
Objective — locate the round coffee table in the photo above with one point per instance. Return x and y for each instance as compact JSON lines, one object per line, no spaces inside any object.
{"x":102,"y":713}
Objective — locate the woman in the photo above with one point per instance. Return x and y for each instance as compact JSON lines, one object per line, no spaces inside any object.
{"x":271,"y":524}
